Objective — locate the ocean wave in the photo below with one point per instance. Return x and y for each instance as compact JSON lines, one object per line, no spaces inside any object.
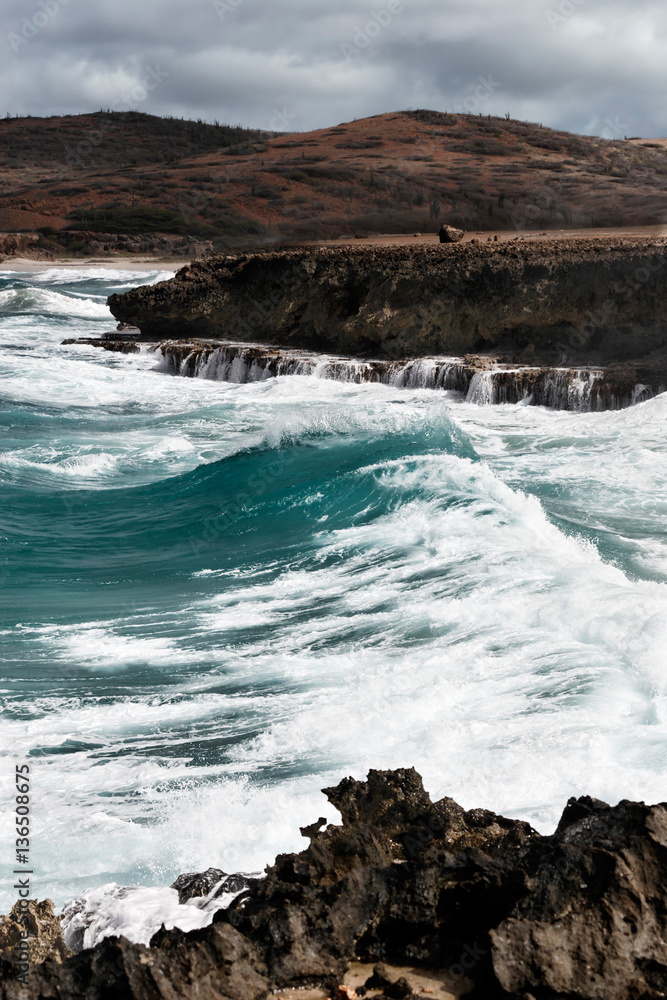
{"x":100,"y":275}
{"x":311,"y":578}
{"x":82,"y":466}
{"x":45,"y":302}
{"x":135,"y":912}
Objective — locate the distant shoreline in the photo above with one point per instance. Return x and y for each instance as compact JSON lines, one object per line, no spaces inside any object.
{"x":144,"y":262}
{"x":26,"y":264}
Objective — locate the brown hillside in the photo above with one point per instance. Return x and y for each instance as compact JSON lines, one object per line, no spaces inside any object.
{"x":396,"y":173}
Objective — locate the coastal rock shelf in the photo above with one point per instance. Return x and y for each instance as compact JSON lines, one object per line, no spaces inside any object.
{"x":467,"y":901}
{"x":567,"y":305}
{"x":482,"y":380}
{"x":599,"y":300}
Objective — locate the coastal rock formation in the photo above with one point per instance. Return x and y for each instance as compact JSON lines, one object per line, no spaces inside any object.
{"x":486,"y":902}
{"x":37,"y":920}
{"x":193,"y":885}
{"x":107,"y":344}
{"x":90,"y":244}
{"x":448,"y":234}
{"x":17,"y":244}
{"x":585,"y":302}
{"x":483,"y":380}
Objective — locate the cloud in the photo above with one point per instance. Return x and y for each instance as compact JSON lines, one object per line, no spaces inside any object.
{"x":574,"y":64}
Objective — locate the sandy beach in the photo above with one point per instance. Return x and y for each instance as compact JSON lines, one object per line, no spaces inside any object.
{"x":25,"y":264}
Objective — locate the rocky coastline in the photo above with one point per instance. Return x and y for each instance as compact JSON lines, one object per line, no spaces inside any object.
{"x":476,"y":378}
{"x":479,"y":379}
{"x":596,"y":304}
{"x":75,"y":243}
{"x":411,"y":898}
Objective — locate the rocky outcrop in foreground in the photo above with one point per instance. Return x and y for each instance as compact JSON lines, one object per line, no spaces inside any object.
{"x":470,"y":901}
{"x":32,"y":928}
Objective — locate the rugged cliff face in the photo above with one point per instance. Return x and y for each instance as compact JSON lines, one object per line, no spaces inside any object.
{"x":590,"y":301}
{"x":484,"y":902}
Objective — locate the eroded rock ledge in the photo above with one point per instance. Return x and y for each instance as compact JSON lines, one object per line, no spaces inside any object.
{"x":598,"y":300}
{"x":599,"y":303}
{"x":479,"y":378}
{"x":483,"y":902}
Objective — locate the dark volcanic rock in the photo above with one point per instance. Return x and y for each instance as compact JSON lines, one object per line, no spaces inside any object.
{"x":593,"y":922}
{"x":193,"y":885}
{"x":120,"y":346}
{"x":215,"y":964}
{"x":579,"y":914}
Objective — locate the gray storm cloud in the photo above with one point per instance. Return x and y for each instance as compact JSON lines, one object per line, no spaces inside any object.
{"x":594,"y":66}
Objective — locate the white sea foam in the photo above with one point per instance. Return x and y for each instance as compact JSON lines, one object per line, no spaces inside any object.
{"x":134,"y":912}
{"x":102,"y":275}
{"x":511,"y":703}
{"x":44,"y":301}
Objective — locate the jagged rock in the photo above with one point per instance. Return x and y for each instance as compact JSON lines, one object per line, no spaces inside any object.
{"x":400,"y":990}
{"x":120,"y":346}
{"x":592,"y":923}
{"x":192,"y":885}
{"x":448,"y":234}
{"x":578,"y":915}
{"x":215,"y":964}
{"x":379,"y":980}
{"x":38,"y":920}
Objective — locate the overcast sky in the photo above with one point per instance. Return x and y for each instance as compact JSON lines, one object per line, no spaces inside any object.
{"x":590,"y":66}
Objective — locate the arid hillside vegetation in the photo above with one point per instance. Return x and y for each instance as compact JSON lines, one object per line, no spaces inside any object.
{"x":393,"y":173}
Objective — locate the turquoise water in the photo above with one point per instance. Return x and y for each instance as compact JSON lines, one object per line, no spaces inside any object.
{"x":219,"y":598}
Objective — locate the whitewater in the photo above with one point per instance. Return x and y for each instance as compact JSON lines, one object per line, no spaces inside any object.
{"x":220,"y":598}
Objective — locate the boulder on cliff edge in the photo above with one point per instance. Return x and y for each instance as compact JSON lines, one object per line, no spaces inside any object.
{"x":448,"y":234}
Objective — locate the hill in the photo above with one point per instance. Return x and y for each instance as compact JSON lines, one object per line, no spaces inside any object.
{"x":397,"y":172}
